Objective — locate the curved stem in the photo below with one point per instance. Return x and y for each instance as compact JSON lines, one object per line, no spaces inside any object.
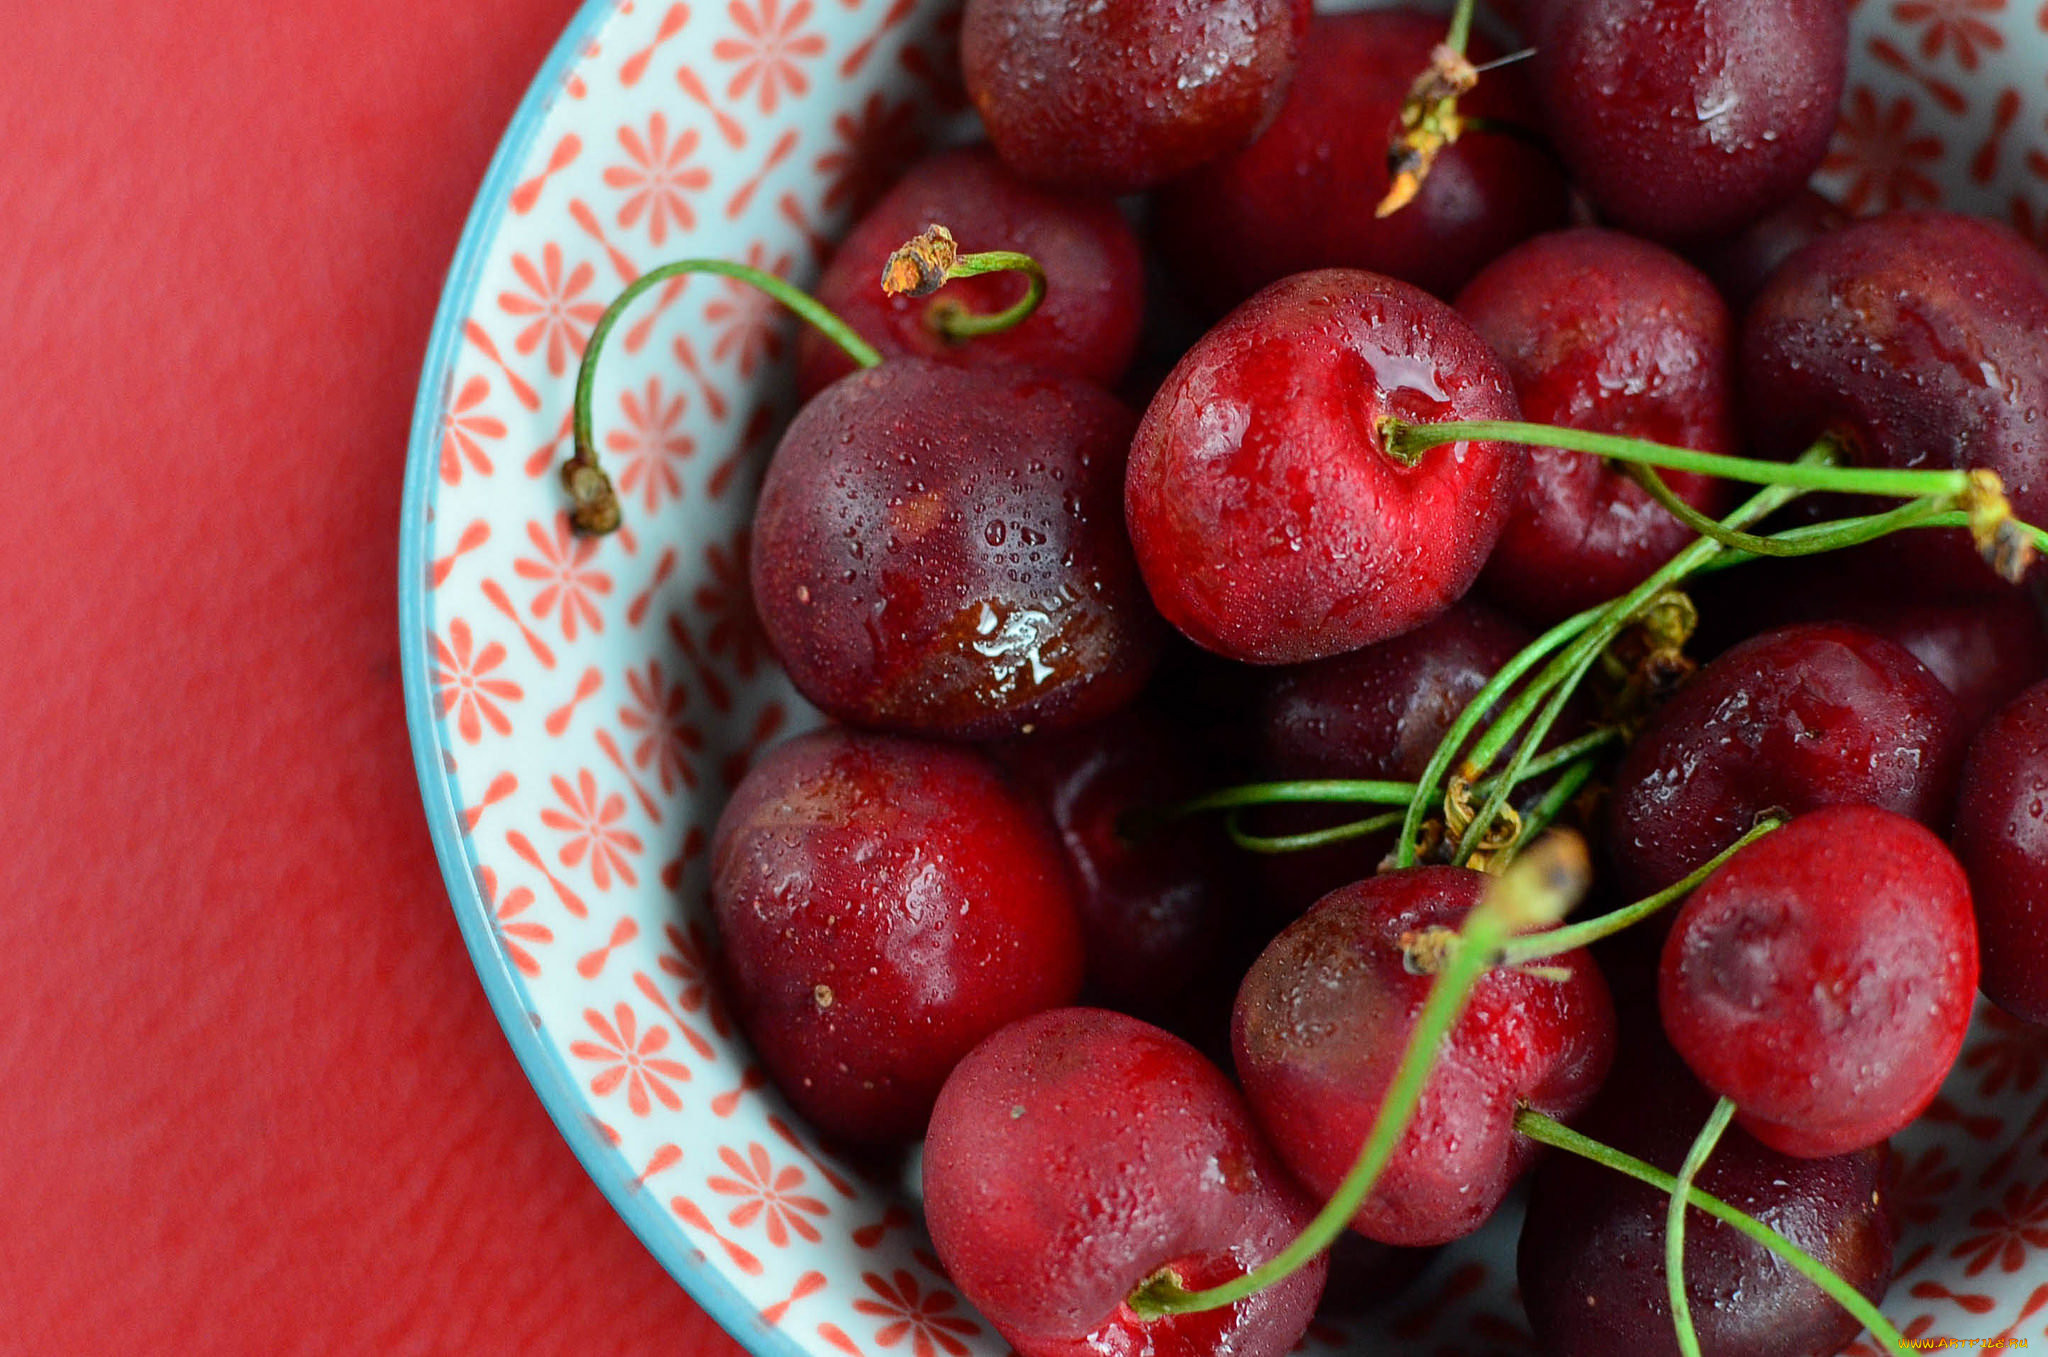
{"x":1460,"y":31}
{"x":1541,"y":887}
{"x":1543,"y":1129}
{"x":1314,"y":838}
{"x":1556,"y":798}
{"x":1407,"y":442}
{"x":1430,"y":786}
{"x":1674,"y":1224}
{"x":1469,"y":841}
{"x":1589,"y":931}
{"x":957,"y":324}
{"x":595,"y":507}
{"x":1646,"y":476}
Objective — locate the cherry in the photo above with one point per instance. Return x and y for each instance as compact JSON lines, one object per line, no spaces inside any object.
{"x":1073,"y":1155}
{"x":937,"y":550}
{"x":1304,"y":195}
{"x":1689,"y":121}
{"x":1326,"y":1013}
{"x":1822,"y":978}
{"x":884,"y":905}
{"x":1376,"y":713}
{"x":1791,"y":720}
{"x":1114,"y":98}
{"x":2002,"y":839}
{"x":1915,"y":338}
{"x":1087,"y":326}
{"x":1591,"y":1259}
{"x":1604,"y":332}
{"x":1985,"y":648}
{"x":1150,"y":907}
{"x":1740,"y":264}
{"x":1270,"y":520}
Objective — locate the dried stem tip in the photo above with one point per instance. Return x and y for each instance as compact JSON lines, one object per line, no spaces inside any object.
{"x":2004,"y":543}
{"x":593,"y":504}
{"x":921,"y":265}
{"x":1429,"y":122}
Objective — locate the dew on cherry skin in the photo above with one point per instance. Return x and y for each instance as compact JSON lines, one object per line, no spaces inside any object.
{"x":1823,"y":977}
{"x":2002,"y":840}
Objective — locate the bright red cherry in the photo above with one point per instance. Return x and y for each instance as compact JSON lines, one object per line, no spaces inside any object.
{"x":1269,"y":519}
{"x":1823,"y":978}
{"x":2002,"y":838}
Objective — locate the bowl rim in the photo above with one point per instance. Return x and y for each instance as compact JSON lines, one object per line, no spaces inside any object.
{"x":540,"y":1060}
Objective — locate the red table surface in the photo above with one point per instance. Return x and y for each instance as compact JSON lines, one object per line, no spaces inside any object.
{"x":253,"y":1099}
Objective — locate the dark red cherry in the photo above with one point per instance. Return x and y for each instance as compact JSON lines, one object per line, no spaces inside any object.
{"x":1740,"y":264}
{"x":1073,"y":1155}
{"x":1326,"y":1013}
{"x":1376,"y":713}
{"x":1790,"y":721}
{"x":1822,"y":978}
{"x":1114,"y":98}
{"x":1150,"y":907}
{"x":1917,"y":338}
{"x":1087,"y":325}
{"x":1303,"y":195}
{"x":884,"y":905}
{"x":1604,"y":332}
{"x":1688,"y":121}
{"x":2002,"y":838}
{"x":1269,"y":520}
{"x":1591,"y":1261}
{"x":939,"y":550}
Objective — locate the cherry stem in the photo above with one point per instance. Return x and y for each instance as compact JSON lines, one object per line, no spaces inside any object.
{"x":1460,"y":32}
{"x":594,"y":504}
{"x":1317,"y":838}
{"x":1674,"y":1224}
{"x":1547,"y":1131}
{"x":1556,"y":798}
{"x":929,"y":260}
{"x":1588,"y":931}
{"x":1407,"y":442}
{"x":1538,"y":890}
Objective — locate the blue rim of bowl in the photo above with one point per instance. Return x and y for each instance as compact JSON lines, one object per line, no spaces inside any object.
{"x":545,"y":1069}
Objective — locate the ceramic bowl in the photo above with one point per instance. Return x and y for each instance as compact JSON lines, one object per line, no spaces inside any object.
{"x":580,"y":709}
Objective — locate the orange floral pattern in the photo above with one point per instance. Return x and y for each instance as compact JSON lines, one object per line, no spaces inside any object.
{"x":769,"y":50}
{"x":649,"y":447}
{"x":591,"y":822}
{"x":557,"y":318}
{"x":1886,"y":163}
{"x":926,"y":1317}
{"x":658,"y":178}
{"x":563,"y":567}
{"x":632,"y":1058}
{"x":768,"y":1194}
{"x":464,"y":684}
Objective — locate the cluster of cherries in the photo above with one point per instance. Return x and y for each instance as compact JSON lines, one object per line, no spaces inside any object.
{"x":1794,"y":699}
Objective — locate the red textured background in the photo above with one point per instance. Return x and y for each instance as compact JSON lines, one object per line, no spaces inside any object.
{"x":251,"y":1097}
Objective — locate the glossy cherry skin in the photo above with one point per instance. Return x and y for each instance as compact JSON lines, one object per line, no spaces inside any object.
{"x":1326,"y":1013}
{"x":884,"y":905}
{"x":1985,"y":648}
{"x":1740,"y":264}
{"x":1823,"y":977}
{"x":938,"y":551}
{"x":2002,"y":839}
{"x":1087,"y":325}
{"x":1791,"y":720}
{"x":1073,"y":1155}
{"x":1591,"y":1261}
{"x":1114,"y":98}
{"x":1303,"y":195}
{"x":1269,"y":520}
{"x":1150,"y":907}
{"x":1687,"y":121}
{"x":1917,"y":338}
{"x":1604,"y":332}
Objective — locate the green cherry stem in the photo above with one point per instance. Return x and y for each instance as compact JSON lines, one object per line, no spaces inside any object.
{"x":1588,"y":931}
{"x":1674,"y":1224}
{"x":1316,"y":838}
{"x":1538,"y":889}
{"x":594,"y":504}
{"x":1557,"y":1135}
{"x":1556,"y":798}
{"x":928,"y":261}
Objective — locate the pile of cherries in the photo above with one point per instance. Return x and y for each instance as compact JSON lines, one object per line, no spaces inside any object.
{"x":1522,"y":446}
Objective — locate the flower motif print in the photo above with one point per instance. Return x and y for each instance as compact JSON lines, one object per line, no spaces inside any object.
{"x":665,"y":741}
{"x":769,"y":1195}
{"x":593,"y":829}
{"x":726,"y":599}
{"x":658,"y":178}
{"x":632,"y":1058}
{"x":869,"y":153}
{"x":461,"y":429}
{"x":650,"y":444}
{"x":563,"y":565}
{"x":558,"y":318}
{"x":463,"y":683}
{"x":746,"y":318}
{"x":926,"y":1318}
{"x":2006,"y":1232}
{"x":1877,"y":151}
{"x":1958,"y":23}
{"x":768,"y":48}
